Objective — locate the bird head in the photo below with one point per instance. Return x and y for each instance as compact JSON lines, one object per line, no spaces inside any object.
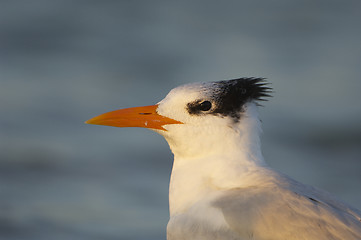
{"x":195,"y":116}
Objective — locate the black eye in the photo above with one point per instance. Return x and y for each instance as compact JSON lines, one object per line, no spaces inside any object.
{"x":205,"y":106}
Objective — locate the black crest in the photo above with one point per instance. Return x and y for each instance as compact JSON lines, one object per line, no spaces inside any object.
{"x":228,"y":97}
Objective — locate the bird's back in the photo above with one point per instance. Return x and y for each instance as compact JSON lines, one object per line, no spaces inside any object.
{"x":282,"y":211}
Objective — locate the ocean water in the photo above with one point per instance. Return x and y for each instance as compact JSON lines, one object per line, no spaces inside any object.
{"x":63,"y":62}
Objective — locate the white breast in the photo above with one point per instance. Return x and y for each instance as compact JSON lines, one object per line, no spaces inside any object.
{"x":201,"y":222}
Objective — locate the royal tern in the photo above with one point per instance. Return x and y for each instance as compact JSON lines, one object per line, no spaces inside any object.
{"x":220,"y":187}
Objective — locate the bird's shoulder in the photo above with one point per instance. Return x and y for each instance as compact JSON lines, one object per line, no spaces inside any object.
{"x":287,"y":209}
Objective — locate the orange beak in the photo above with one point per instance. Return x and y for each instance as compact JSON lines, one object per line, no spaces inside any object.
{"x":146,"y":117}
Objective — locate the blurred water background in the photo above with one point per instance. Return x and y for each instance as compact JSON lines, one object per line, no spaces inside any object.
{"x":63,"y":62}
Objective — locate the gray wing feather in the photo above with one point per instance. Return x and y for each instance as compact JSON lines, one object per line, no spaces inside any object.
{"x":288,"y":211}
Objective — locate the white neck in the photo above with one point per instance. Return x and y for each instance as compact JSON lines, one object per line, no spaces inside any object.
{"x":222,"y":158}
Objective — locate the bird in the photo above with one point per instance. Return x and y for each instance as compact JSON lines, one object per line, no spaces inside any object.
{"x":220,"y":185}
